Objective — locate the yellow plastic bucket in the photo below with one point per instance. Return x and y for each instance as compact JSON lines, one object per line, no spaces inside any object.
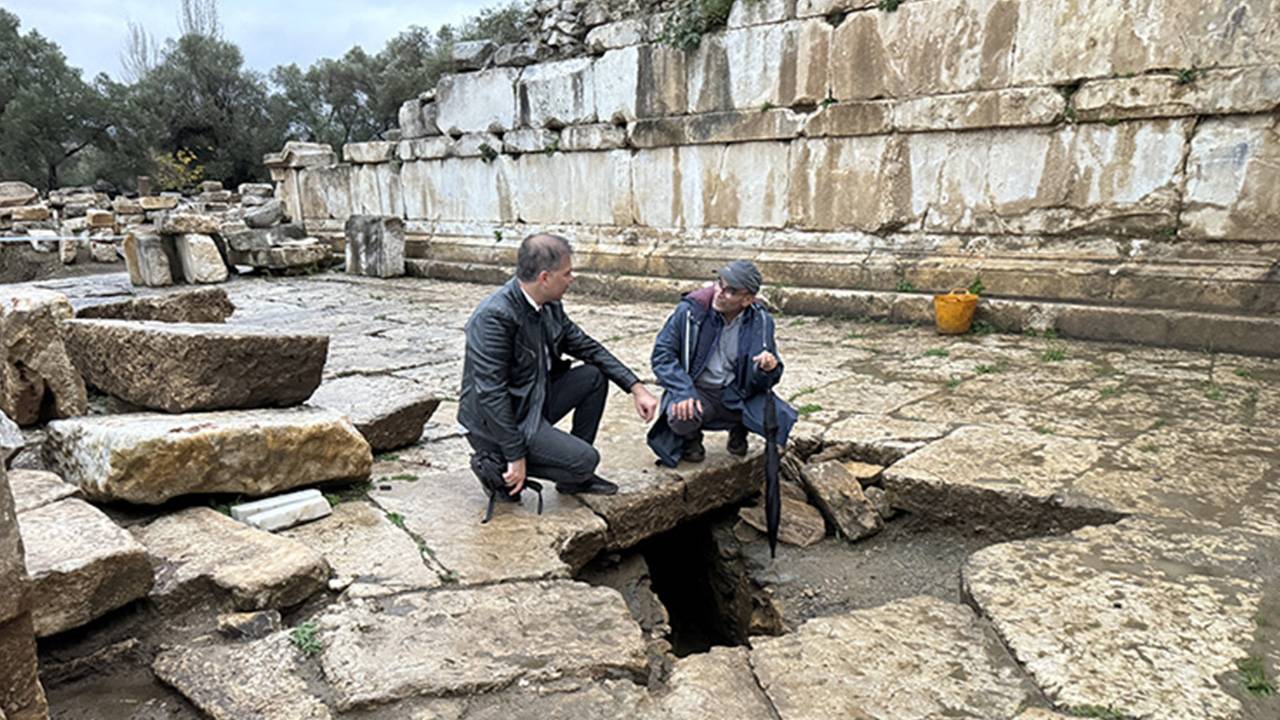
{"x":953,"y":312}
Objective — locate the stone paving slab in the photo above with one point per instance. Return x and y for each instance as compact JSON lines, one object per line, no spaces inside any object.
{"x":469,"y":640}
{"x":388,"y":411}
{"x":912,"y":659}
{"x":1149,"y":617}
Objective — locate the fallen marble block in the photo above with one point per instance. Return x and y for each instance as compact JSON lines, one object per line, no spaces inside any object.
{"x":37,"y":379}
{"x":389,"y":411}
{"x":283,"y":511}
{"x":149,"y":458}
{"x":81,"y":565}
{"x":179,"y":367}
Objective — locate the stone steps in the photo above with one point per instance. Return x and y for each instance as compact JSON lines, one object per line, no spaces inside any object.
{"x":1187,"y":329}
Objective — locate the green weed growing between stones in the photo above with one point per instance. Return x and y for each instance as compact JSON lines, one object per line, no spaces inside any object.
{"x":937,"y":352}
{"x":1100,"y":712}
{"x":1054,"y":353}
{"x":306,"y":637}
{"x":1254,"y":677}
{"x":889,"y":5}
{"x":808,"y":409}
{"x":802,"y":392}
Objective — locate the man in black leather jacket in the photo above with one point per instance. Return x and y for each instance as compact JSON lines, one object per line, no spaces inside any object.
{"x":516,"y":385}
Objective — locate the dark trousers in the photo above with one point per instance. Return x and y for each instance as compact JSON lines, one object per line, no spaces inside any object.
{"x":714,"y":416}
{"x":556,"y":455}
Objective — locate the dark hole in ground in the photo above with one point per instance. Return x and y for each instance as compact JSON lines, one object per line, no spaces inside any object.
{"x":682,"y":567}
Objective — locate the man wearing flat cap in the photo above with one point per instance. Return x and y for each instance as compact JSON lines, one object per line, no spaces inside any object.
{"x":716,"y":360}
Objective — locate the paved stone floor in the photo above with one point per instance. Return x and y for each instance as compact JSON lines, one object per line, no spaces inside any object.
{"x":1132,"y":495}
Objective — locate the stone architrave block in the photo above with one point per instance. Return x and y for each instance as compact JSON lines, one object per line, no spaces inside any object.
{"x":200,"y":259}
{"x":375,"y":246}
{"x":150,"y":458}
{"x":81,"y":565}
{"x":558,"y":94}
{"x":187,"y":367}
{"x":37,"y":379}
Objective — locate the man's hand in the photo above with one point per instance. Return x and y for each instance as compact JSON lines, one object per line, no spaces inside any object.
{"x":687,"y":409}
{"x":646,"y":403}
{"x":765,"y":361}
{"x":515,"y":476}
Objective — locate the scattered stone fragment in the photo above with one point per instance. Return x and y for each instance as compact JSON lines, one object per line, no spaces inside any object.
{"x":14,"y":193}
{"x":880,"y":501}
{"x":37,"y":488}
{"x":389,"y":411}
{"x":180,"y":367}
{"x":265,"y":215}
{"x":197,"y":305}
{"x":801,"y":522}
{"x":147,"y":259}
{"x":375,"y":246}
{"x":260,"y":679}
{"x":202,"y":555}
{"x":909,"y":660}
{"x":452,"y":642}
{"x":200,"y":259}
{"x":37,"y":379}
{"x":11,"y":440}
{"x":249,"y":625}
{"x":180,"y":223}
{"x":839,"y":495}
{"x":1148,"y":617}
{"x":283,"y":511}
{"x":150,"y":458}
{"x":152,"y":203}
{"x":368,"y":553}
{"x":718,"y":684}
{"x":81,"y":565}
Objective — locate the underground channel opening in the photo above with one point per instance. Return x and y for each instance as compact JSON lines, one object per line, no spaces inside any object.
{"x":688,"y":575}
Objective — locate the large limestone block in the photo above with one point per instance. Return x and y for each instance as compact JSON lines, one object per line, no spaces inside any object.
{"x":471,"y":54}
{"x":389,"y":411}
{"x":718,"y":683}
{"x":850,"y":183}
{"x":417,"y":120}
{"x":738,"y":185}
{"x":1122,"y":179}
{"x":557,"y":94}
{"x":13,"y":593}
{"x":147,"y":260}
{"x":190,"y":223}
{"x":368,"y":553}
{"x":200,"y":259}
{"x":454,"y":642}
{"x":198,"y":305}
{"x":36,"y":488}
{"x":37,"y":379}
{"x":766,"y":65}
{"x":248,"y":239}
{"x":14,"y":193}
{"x":432,"y":148}
{"x":376,"y":190}
{"x":265,"y":215}
{"x":592,"y":188}
{"x":640,"y":82}
{"x":298,"y":154}
{"x":1131,"y":39}
{"x":81,"y":565}
{"x":203,"y":555}
{"x":926,"y":48}
{"x":912,"y":659}
{"x":324,"y":192}
{"x":600,"y":136}
{"x":838,"y":493}
{"x":375,"y":245}
{"x":306,"y":255}
{"x":477,"y":102}
{"x":264,"y":679}
{"x":376,"y":151}
{"x":1209,"y":92}
{"x":799,"y":522}
{"x":1232,"y":174}
{"x":1151,"y":618}
{"x":152,"y":203}
{"x":531,"y":140}
{"x":1015,"y":107}
{"x":717,"y":127}
{"x":21,"y":696}
{"x":181,"y":367}
{"x":462,"y":189}
{"x":149,"y":458}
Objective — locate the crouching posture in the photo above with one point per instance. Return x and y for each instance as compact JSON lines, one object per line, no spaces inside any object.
{"x":717,"y":360}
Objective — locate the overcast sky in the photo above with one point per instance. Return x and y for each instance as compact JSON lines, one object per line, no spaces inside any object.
{"x":269,"y":32}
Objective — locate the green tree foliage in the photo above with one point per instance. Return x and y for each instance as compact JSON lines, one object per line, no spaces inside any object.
{"x":48,"y":114}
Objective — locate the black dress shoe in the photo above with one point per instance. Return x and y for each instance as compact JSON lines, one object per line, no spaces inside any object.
{"x":595,"y":486}
{"x":737,"y":444}
{"x":693,"y":450}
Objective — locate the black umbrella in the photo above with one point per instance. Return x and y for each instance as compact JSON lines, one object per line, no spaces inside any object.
{"x":772,"y":491}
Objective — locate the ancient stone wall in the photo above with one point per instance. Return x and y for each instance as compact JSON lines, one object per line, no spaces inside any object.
{"x":1059,"y":150}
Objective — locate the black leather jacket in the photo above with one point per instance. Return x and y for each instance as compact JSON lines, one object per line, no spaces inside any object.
{"x":501,"y":371}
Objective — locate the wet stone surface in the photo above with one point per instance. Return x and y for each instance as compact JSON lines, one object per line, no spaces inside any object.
{"x":984,"y":439}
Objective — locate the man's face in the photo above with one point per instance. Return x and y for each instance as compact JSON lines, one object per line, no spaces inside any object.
{"x":556,"y":282}
{"x":731,"y":300}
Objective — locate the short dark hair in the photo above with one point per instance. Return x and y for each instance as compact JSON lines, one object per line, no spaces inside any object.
{"x":540,"y":253}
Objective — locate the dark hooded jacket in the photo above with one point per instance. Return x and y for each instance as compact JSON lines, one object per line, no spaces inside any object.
{"x":504,"y":374}
{"x":681,"y":353}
